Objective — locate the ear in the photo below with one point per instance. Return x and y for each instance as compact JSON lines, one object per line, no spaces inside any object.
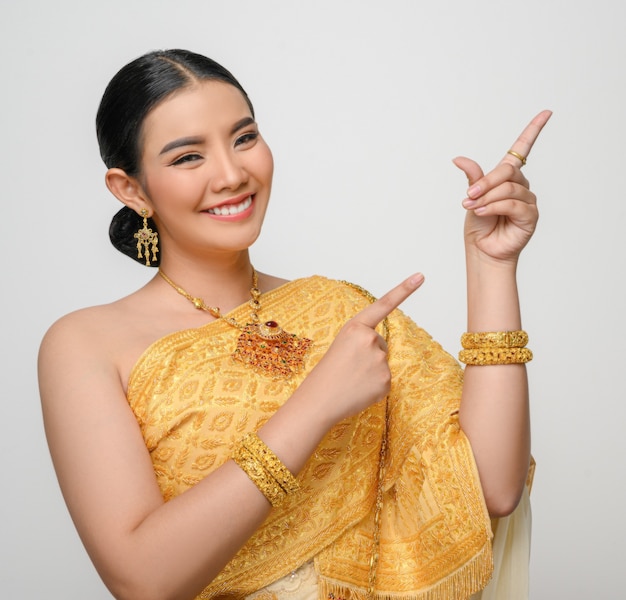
{"x":127,"y":190}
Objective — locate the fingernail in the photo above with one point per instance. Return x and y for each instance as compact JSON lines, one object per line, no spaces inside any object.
{"x":468,"y":203}
{"x":474,"y":191}
{"x":416,"y":280}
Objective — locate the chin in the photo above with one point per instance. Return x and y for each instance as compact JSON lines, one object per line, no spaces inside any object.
{"x":237,"y":242}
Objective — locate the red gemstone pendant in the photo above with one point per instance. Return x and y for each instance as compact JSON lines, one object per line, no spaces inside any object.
{"x":267,"y":347}
{"x":270,"y":330}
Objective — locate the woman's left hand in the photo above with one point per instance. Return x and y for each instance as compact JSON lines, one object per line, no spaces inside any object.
{"x":501,"y":210}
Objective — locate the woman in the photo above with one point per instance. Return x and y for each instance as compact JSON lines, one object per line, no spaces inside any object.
{"x":223,"y":433}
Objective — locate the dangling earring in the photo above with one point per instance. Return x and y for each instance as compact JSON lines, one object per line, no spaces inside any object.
{"x":146,"y":237}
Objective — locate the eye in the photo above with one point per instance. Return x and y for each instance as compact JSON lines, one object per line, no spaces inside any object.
{"x":186,"y":158}
{"x":247,"y":138}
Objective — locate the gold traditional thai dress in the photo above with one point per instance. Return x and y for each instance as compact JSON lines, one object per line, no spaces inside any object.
{"x":194,"y":403}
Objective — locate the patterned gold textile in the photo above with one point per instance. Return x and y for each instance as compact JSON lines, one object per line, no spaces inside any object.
{"x":194,"y":402}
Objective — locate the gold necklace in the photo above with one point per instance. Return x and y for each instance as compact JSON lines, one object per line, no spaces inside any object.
{"x":266,"y":347}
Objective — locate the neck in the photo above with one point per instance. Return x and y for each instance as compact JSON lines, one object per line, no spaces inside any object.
{"x":224,"y":282}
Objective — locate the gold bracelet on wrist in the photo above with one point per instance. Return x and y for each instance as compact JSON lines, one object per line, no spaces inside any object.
{"x":495,"y":356}
{"x":253,"y":468}
{"x":495,"y":339}
{"x":271,"y":463}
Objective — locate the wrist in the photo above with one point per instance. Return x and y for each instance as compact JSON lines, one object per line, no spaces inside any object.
{"x":295,"y":430}
{"x":492,"y":295}
{"x":478,"y":261}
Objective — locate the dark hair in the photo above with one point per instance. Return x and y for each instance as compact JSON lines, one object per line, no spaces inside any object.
{"x":132,"y":93}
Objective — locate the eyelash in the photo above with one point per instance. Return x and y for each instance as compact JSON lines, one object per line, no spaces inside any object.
{"x":243,"y":139}
{"x":247,"y":137}
{"x":186,"y":158}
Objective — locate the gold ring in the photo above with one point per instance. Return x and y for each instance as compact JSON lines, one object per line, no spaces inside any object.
{"x":517,"y":155}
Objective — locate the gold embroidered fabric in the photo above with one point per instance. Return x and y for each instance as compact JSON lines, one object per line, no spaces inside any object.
{"x":194,"y":403}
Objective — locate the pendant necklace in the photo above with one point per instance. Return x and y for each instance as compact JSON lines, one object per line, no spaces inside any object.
{"x":266,"y":346}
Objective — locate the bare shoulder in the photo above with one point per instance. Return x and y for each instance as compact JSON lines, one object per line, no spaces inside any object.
{"x":86,"y":329}
{"x":72,"y":349}
{"x":72,"y":330}
{"x":95,"y":339}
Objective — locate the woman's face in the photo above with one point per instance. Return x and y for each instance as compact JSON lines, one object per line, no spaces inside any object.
{"x":206,"y":170}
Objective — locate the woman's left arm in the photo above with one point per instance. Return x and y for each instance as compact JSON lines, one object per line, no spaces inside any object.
{"x":501,"y":218}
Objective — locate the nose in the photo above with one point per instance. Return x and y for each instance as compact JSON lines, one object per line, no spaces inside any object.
{"x":228,"y":172}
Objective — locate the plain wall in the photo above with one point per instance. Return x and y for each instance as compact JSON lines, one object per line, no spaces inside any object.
{"x":364,"y":104}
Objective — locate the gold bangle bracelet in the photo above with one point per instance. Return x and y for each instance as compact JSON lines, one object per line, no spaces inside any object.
{"x":497,"y":339}
{"x":495,"y":356}
{"x":271,"y":463}
{"x":253,"y":468}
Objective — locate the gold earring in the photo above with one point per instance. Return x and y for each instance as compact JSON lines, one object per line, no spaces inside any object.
{"x":146,"y":237}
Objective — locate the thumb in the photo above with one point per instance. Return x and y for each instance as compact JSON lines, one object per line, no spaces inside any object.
{"x":472,"y":169}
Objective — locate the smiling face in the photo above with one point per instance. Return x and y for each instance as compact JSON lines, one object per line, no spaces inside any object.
{"x":205,"y":171}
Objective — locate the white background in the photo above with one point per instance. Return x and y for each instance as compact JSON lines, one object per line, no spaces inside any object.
{"x":364,"y":104}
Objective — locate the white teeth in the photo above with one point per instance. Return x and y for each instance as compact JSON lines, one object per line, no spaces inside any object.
{"x":234,"y":209}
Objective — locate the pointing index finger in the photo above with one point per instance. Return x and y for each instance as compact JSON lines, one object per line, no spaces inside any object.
{"x":373,"y":314}
{"x":527,"y":138}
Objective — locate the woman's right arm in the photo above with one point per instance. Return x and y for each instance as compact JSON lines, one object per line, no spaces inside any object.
{"x":141,"y":546}
{"x":146,"y":548}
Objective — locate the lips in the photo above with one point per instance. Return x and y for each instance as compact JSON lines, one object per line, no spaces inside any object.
{"x":226,"y":210}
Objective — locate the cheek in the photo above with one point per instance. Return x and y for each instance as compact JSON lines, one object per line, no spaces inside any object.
{"x":265,"y":164}
{"x":165,"y":186}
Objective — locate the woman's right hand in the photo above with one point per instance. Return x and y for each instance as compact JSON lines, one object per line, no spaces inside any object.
{"x":354,"y":372}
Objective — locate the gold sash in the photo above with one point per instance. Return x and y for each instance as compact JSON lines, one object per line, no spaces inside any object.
{"x":193,"y":403}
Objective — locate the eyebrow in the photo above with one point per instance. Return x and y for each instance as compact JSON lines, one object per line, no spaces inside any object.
{"x":193,"y":140}
{"x":184,"y":141}
{"x":241,"y":124}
